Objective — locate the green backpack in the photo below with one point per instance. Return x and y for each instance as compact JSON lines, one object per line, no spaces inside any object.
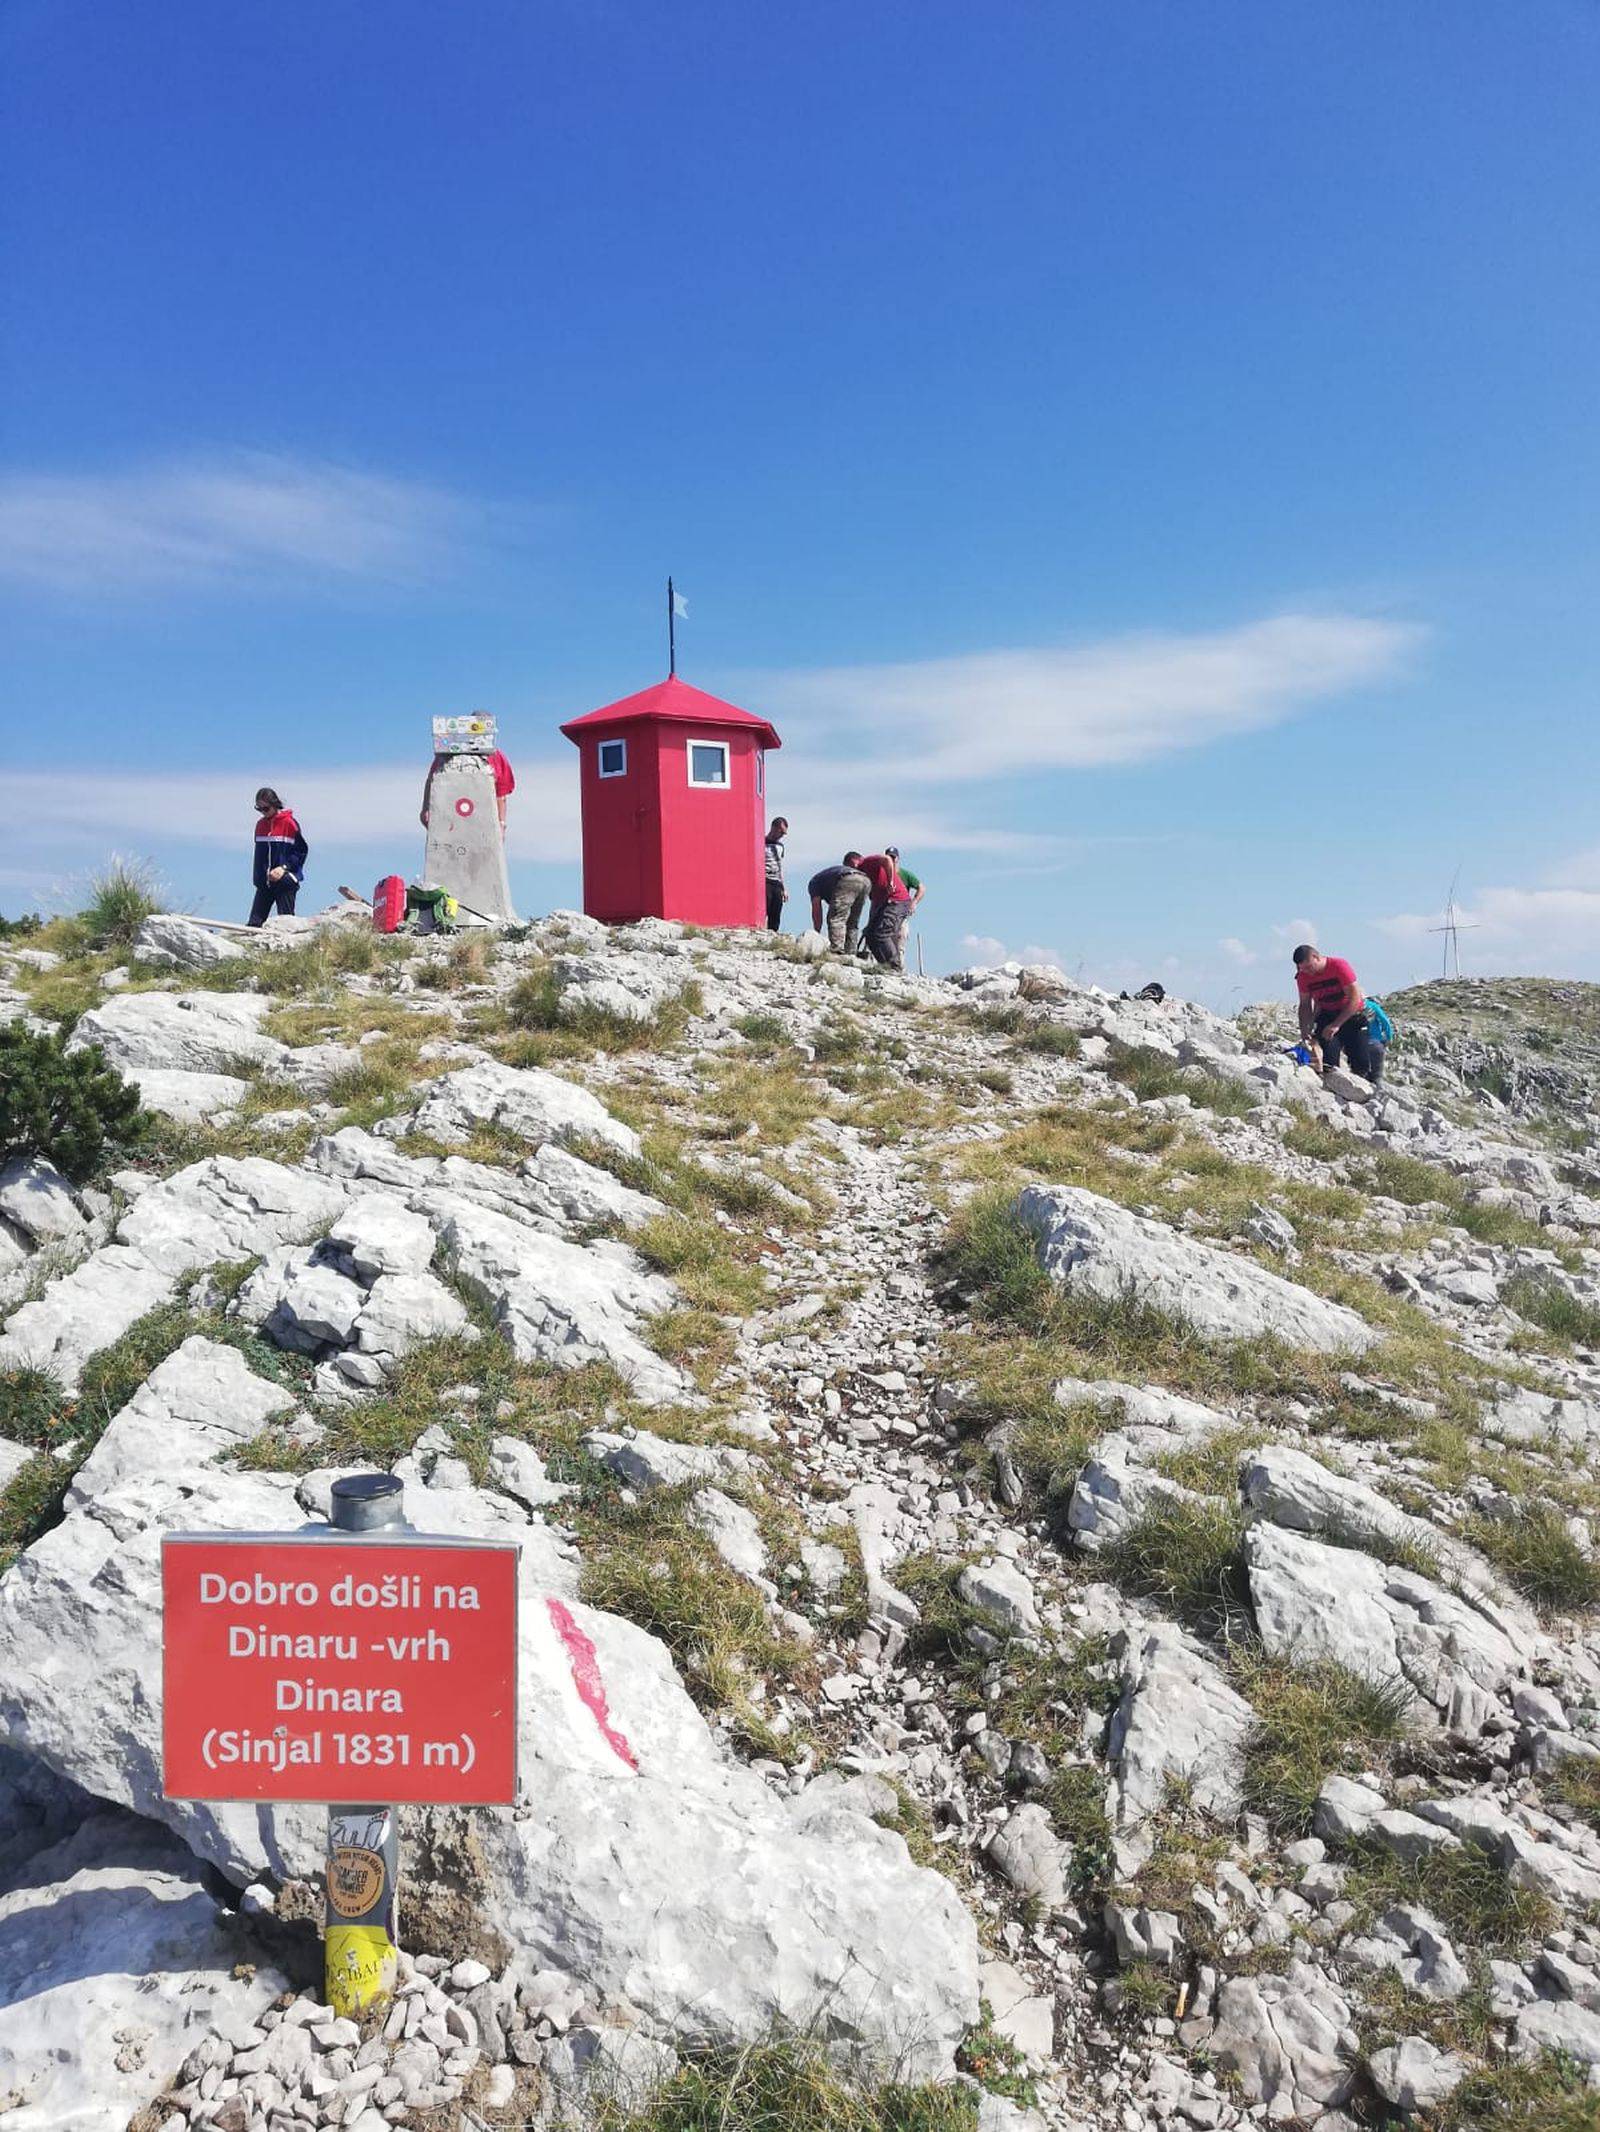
{"x":433,"y":908}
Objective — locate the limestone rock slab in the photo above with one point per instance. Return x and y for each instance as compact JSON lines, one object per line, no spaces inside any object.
{"x":1097,"y":1248}
{"x":114,"y":1964}
{"x":525,"y":1101}
{"x":192,"y":1032}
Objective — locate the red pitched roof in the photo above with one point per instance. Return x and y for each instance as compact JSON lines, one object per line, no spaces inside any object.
{"x":675,"y":700}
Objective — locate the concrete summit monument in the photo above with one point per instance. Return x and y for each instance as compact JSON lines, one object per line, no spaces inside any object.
{"x":464,"y":812}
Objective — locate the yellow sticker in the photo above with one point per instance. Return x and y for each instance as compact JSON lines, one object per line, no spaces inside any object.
{"x":361,"y":1965}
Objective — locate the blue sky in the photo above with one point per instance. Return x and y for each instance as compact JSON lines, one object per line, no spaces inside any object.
{"x":1144,"y":458}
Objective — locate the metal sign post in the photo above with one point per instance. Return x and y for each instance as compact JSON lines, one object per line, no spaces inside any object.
{"x":356,"y":1655}
{"x":361,"y":1907}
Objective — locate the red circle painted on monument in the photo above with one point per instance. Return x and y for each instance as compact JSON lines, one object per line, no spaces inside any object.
{"x":464,"y":807}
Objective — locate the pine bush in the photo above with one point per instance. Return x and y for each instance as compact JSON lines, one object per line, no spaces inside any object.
{"x":70,"y":1107}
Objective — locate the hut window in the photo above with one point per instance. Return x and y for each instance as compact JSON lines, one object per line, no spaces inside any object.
{"x":708,"y":763}
{"x":613,"y":758}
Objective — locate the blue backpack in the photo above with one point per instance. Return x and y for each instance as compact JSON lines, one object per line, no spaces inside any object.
{"x":1381,"y":1027}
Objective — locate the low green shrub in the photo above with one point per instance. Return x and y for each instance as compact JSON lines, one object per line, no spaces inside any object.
{"x":995,"y":2062}
{"x":70,"y":1107}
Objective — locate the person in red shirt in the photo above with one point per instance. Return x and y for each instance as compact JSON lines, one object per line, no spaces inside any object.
{"x":1333,"y":1012}
{"x":890,"y":899}
{"x":504,"y":783}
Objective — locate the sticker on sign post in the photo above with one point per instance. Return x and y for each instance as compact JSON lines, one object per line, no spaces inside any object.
{"x":307,"y":1668}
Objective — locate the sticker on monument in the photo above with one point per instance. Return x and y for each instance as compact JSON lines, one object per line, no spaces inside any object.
{"x":464,"y":807}
{"x":472,"y":735}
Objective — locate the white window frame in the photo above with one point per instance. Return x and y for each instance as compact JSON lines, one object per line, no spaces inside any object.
{"x":600,"y":758}
{"x":761,"y":773}
{"x":709,"y":784}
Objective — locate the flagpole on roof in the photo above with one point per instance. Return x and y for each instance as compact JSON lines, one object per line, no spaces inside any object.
{"x":672,"y":631}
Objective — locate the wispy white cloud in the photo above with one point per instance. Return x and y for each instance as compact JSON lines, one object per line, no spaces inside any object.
{"x":1582,"y":870}
{"x":377,"y":805}
{"x":1237,"y":952}
{"x":1124,"y":700}
{"x":242,"y":520}
{"x":1551,"y":932}
{"x":369,"y":808}
{"x":984,"y":952}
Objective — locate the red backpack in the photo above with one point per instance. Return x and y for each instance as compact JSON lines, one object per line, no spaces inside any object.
{"x":389,"y":904}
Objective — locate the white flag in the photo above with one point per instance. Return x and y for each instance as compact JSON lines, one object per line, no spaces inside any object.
{"x":680,"y":606}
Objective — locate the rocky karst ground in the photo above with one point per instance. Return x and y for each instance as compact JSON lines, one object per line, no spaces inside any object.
{"x":1086,"y":1535}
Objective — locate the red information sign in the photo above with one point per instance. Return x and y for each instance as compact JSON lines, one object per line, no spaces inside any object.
{"x":310,"y":1669}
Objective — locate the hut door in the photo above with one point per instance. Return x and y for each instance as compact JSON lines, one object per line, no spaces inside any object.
{"x":646,"y":839}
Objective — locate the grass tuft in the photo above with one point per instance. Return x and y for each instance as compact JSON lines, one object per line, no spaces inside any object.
{"x":537,"y":1004}
{"x":31,"y":1505}
{"x":1551,"y":2095}
{"x":712,"y":1265}
{"x":761,"y":1029}
{"x":1189,"y":1559}
{"x":1575,"y":1782}
{"x":1311,"y":1721}
{"x":1470,"y":1894}
{"x":787,"y":2087}
{"x":1316,"y":1139}
{"x":1151,"y":1074}
{"x":1553,"y":1308}
{"x":646,"y":1562}
{"x":1540,"y":1557}
{"x":121,"y":896}
{"x":1051,"y":1040}
{"x":1415,"y":1183}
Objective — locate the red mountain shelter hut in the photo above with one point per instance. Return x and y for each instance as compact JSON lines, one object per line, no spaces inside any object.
{"x":673,"y":785}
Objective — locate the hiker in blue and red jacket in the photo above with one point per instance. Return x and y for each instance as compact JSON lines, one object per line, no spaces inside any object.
{"x":280,"y":859}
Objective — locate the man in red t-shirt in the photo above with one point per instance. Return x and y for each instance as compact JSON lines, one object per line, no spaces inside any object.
{"x":1333,"y":1011}
{"x":888,"y":895}
{"x":504,"y":783}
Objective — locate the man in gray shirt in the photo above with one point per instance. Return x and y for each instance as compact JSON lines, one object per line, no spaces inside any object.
{"x":841,"y":892}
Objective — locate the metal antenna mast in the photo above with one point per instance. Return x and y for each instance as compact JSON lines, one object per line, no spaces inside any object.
{"x":1452,"y":930}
